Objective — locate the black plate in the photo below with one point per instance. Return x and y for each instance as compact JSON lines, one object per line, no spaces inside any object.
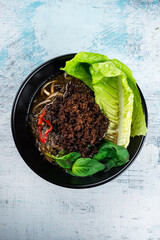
{"x":24,"y":140}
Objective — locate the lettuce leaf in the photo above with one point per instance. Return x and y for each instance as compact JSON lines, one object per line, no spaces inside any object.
{"x":138,"y":118}
{"x":79,"y":66}
{"x":115,"y":91}
{"x":115,"y":99}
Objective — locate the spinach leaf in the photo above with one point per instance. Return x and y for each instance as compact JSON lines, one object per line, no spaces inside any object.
{"x":67,"y":160}
{"x":87,"y":166}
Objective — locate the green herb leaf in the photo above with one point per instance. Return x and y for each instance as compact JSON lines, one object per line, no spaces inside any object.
{"x":115,"y":162}
{"x":71,"y":157}
{"x":112,"y":155}
{"x":112,"y":162}
{"x":109,"y":155}
{"x":67,"y":160}
{"x":121,"y":152}
{"x":62,"y":153}
{"x":70,"y":172}
{"x":87,"y":166}
{"x":105,"y":153}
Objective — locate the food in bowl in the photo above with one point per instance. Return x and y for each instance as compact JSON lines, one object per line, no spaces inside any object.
{"x":83,"y":118}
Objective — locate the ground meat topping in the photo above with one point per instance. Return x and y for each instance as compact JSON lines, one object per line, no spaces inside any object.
{"x":78,"y":124}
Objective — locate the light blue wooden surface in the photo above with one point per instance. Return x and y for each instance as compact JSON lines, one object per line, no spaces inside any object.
{"x":32,"y":32}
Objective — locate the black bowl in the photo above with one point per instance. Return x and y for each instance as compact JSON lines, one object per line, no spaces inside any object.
{"x":25,"y":143}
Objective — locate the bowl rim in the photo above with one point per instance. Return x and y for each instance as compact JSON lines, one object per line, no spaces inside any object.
{"x":78,"y":186}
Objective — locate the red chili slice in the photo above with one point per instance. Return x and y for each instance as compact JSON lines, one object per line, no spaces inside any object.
{"x":41,"y":120}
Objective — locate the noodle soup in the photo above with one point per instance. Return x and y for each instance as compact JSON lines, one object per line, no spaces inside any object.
{"x":64,"y":118}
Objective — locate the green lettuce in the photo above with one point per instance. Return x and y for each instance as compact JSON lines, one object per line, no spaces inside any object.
{"x":115,"y":98}
{"x":79,"y":66}
{"x":115,"y":91}
{"x":138,"y":119}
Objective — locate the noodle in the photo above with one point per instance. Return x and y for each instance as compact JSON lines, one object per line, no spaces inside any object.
{"x":47,"y":84}
{"x":55,"y":94}
{"x":57,"y":147}
{"x":48,"y":158}
{"x":66,"y":76}
{"x":46,"y":92}
{"x":52,"y":86}
{"x":41,"y":103}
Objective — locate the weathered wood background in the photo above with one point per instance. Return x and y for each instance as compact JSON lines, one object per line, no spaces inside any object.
{"x":32,"y":32}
